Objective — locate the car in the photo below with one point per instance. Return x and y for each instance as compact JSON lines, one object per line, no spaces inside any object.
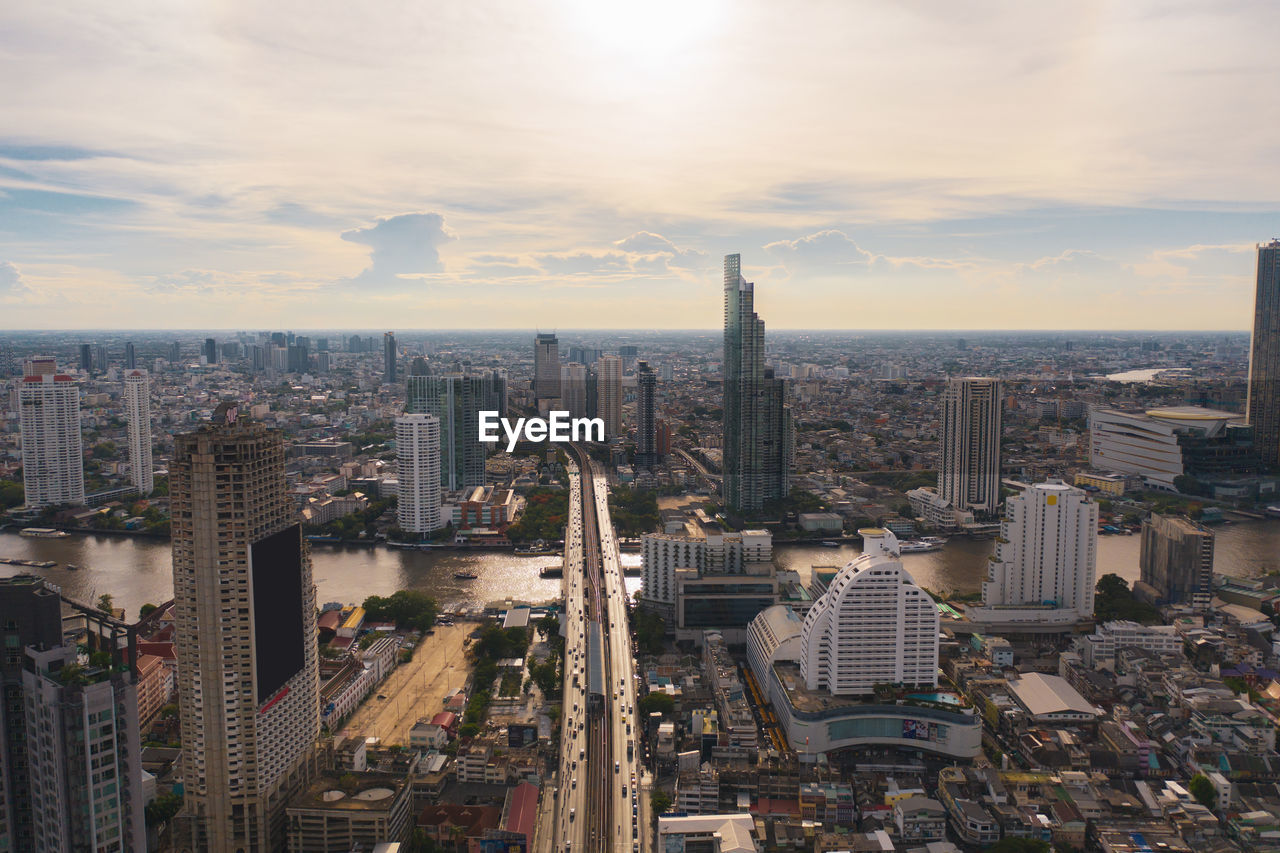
{"x":575,"y":782}
{"x":572,"y":814}
{"x":617,"y":768}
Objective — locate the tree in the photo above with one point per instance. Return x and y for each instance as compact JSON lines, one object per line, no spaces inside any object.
{"x":147,"y":609}
{"x":162,"y":809}
{"x":1204,"y":792}
{"x":659,"y":702}
{"x":106,"y":604}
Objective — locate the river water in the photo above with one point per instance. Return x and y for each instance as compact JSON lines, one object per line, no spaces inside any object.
{"x":136,"y":571}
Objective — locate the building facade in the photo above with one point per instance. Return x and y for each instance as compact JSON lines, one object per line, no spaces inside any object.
{"x":52,"y":454}
{"x":1177,"y":561}
{"x":646,"y":421}
{"x":758,"y":440}
{"x":969,"y":453}
{"x":418,"y":471}
{"x":456,"y":400}
{"x":245,"y":637}
{"x":1263,"y":406}
{"x":137,"y":413}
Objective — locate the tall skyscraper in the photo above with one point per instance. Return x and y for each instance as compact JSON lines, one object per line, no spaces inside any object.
{"x":210,"y":351}
{"x":969,"y":458}
{"x":1045,"y":561}
{"x":456,"y":401}
{"x":137,"y":413}
{"x":1264,"y":357}
{"x":175,"y":353}
{"x":1176,"y":561}
{"x":52,"y":455}
{"x":100,"y":358}
{"x":86,"y":358}
{"x":245,"y":636}
{"x":573,"y":389}
{"x":130,"y":357}
{"x":418,"y":473}
{"x":609,"y":394}
{"x":71,"y":767}
{"x":758,"y":443}
{"x":546,"y":366}
{"x":389,"y":355}
{"x":646,"y":421}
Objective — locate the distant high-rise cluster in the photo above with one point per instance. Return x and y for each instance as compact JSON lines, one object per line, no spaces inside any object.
{"x":969,"y":462}
{"x":1264,"y":357}
{"x":49,"y":419}
{"x":758,"y":443}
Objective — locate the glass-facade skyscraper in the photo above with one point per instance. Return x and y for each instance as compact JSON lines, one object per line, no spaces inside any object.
{"x":757,"y":421}
{"x":1264,"y":357}
{"x":456,"y":400}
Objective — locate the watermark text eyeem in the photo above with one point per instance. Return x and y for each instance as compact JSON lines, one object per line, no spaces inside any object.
{"x":557,"y":426}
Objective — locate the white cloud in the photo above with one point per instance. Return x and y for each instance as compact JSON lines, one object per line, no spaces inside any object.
{"x":404,"y":245}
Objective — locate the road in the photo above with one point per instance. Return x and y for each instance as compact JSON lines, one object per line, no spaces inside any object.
{"x":415,"y":689}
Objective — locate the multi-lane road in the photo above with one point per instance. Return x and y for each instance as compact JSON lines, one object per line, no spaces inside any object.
{"x":598,"y":804}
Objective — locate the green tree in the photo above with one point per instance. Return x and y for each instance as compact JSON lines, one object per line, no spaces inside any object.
{"x":11,"y":495}
{"x":106,"y":604}
{"x":162,"y":809}
{"x":659,"y":702}
{"x":1204,"y":792}
{"x":147,"y":609}
{"x":660,"y":800}
{"x":1114,"y":600}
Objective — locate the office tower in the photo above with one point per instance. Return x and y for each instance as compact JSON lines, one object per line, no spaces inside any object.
{"x":279,"y":339}
{"x":86,"y":358}
{"x":628,"y":354}
{"x":230,"y":351}
{"x":298,"y":357}
{"x":418,"y":472}
{"x":71,"y":769}
{"x":573,"y":389}
{"x":456,"y":401}
{"x":210,"y":351}
{"x":1044,"y":565}
{"x":354,"y":344}
{"x":1264,"y":357}
{"x":872,"y":626}
{"x":757,"y":422}
{"x":322,"y":344}
{"x":130,"y":357}
{"x":39,"y":365}
{"x":52,"y":455}
{"x":100,"y":358}
{"x":175,"y":353}
{"x":969,"y":458}
{"x":1176,"y":561}
{"x":389,"y":358}
{"x":258,"y":357}
{"x":593,"y":390}
{"x":646,"y":423}
{"x":137,"y":412}
{"x":418,"y":367}
{"x":609,"y":394}
{"x":323,"y":363}
{"x":279,"y":359}
{"x":245,"y":636}
{"x":546,"y":367}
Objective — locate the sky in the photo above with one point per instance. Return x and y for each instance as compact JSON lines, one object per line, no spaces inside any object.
{"x":587,"y":163}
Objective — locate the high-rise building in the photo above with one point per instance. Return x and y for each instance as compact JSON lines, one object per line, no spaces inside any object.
{"x":758,"y":442}
{"x":71,"y":769}
{"x":418,"y":473}
{"x":546,"y":366}
{"x":872,"y":626}
{"x":130,"y":357}
{"x":175,"y":353}
{"x":39,"y":365}
{"x":210,"y":351}
{"x":137,"y":413}
{"x":258,"y":355}
{"x":418,"y":367}
{"x":245,"y":636}
{"x":1043,"y":570}
{"x":585,"y":355}
{"x":389,"y":355}
{"x":52,"y":454}
{"x":86,"y":358}
{"x":100,"y":358}
{"x":573,"y":389}
{"x":1264,"y":357}
{"x":456,"y":400}
{"x":646,"y":421}
{"x":628,"y":354}
{"x":609,"y":394}
{"x":299,"y":358}
{"x":969,"y":458}
{"x":1165,"y":445}
{"x":1177,"y":561}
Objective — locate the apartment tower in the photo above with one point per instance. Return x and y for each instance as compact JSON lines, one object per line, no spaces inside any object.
{"x":646,"y":423}
{"x":245,"y":636}
{"x":418,"y":473}
{"x":49,"y":419}
{"x":1176,"y":561}
{"x":609,"y":391}
{"x":969,"y":460}
{"x":389,"y":358}
{"x":1264,"y":357}
{"x":137,"y":413}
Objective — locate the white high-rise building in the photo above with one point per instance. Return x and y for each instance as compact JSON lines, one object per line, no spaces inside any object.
{"x":1045,"y":561}
{"x":418,"y":470}
{"x":969,"y":461}
{"x":609,"y":388}
{"x":573,"y":389}
{"x":872,"y":626}
{"x":52,"y":455}
{"x":137,"y":412}
{"x":712,"y":551}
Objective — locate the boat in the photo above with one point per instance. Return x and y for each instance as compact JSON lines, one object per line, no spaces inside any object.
{"x":830,"y":543}
{"x":918,"y":546}
{"x":535,"y":551}
{"x":465,"y":576}
{"x":71,"y":567}
{"x":551,"y":572}
{"x":43,"y":533}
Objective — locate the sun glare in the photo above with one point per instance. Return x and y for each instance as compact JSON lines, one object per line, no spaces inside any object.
{"x":646,"y":32}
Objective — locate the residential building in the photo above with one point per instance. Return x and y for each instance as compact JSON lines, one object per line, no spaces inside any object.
{"x":418,"y":472}
{"x":52,"y":455}
{"x":609,"y":394}
{"x":456,"y":400}
{"x":969,"y":461}
{"x":1263,"y":406}
{"x":137,"y":413}
{"x":758,"y":437}
{"x":389,"y":357}
{"x":245,"y":636}
{"x":546,"y":367}
{"x":646,"y":423}
{"x":708,"y":548}
{"x":1042,"y":573}
{"x":1177,"y":561}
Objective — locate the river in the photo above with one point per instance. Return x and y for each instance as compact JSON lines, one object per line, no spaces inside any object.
{"x":136,"y":571}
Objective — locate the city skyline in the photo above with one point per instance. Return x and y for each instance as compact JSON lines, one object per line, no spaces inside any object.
{"x":599,"y":171}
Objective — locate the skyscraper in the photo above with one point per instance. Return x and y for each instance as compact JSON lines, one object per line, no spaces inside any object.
{"x":418,"y":473}
{"x":210,"y":351}
{"x":1264,"y":357}
{"x":100,"y":358}
{"x":245,"y":636}
{"x":1176,"y":561}
{"x":175,"y":353}
{"x":130,"y":357}
{"x":389,"y":358}
{"x":646,"y":422}
{"x":609,"y":394}
{"x":1045,"y":561}
{"x":757,"y":421}
{"x":969,"y":458}
{"x":137,"y":413}
{"x":52,"y":455}
{"x":573,"y":389}
{"x":456,"y":401}
{"x":546,"y":367}
{"x":86,"y":358}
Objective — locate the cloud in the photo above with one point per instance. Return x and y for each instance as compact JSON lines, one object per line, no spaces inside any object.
{"x":648,"y":243}
{"x":827,"y":251}
{"x":404,"y":245}
{"x":11,"y":283}
{"x":584,"y":262}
